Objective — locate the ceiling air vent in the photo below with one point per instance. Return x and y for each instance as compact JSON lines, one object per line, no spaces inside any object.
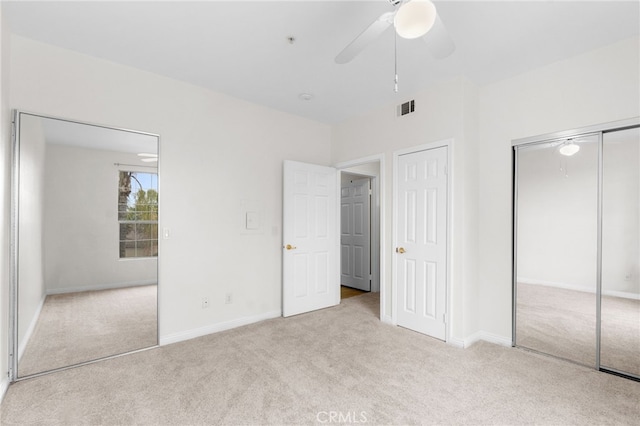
{"x":406,"y":108}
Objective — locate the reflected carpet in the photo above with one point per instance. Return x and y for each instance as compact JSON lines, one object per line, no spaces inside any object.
{"x":562,"y":323}
{"x":79,"y":327}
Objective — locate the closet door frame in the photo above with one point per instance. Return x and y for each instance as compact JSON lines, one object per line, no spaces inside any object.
{"x":600,"y":130}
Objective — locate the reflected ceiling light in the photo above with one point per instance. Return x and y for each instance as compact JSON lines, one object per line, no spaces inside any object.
{"x":148,"y":157}
{"x":414,"y":18}
{"x":568,"y":148}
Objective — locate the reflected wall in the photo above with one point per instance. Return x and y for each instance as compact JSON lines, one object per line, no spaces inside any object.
{"x":557,"y":249}
{"x":577,"y":248}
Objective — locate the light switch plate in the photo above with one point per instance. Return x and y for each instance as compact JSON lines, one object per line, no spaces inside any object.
{"x":253,"y":221}
{"x":251,"y":217}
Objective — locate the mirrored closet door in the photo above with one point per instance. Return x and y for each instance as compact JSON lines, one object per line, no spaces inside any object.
{"x":557,"y":248}
{"x":576,"y":248}
{"x":620,"y":306}
{"x":85,"y":243}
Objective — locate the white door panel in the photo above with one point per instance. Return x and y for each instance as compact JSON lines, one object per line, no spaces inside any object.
{"x":355,"y":235}
{"x":422,"y":241}
{"x":310,"y":251}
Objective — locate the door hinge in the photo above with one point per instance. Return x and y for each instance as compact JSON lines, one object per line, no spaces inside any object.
{"x":446,"y":170}
{"x":444,"y":318}
{"x":370,"y":191}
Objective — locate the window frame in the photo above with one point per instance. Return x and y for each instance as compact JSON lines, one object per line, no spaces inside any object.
{"x":153,"y":242}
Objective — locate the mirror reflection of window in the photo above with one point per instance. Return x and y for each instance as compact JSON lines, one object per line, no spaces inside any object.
{"x":138,"y":214}
{"x":87,"y":258}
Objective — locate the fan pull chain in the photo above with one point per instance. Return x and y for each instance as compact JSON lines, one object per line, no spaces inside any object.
{"x":395,"y":60}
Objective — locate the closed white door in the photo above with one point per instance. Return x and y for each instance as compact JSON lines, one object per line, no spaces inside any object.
{"x":355,"y":234}
{"x":311,"y":278}
{"x":421,"y":250}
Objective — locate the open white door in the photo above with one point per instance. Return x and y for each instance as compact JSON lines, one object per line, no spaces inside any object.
{"x":311,"y":278}
{"x":355,"y":235}
{"x":422,"y":241}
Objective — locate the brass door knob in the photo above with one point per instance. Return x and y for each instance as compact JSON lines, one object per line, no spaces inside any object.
{"x":290,"y":247}
{"x":400,"y":250}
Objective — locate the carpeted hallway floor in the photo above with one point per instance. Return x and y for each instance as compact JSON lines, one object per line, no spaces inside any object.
{"x":341,"y":362}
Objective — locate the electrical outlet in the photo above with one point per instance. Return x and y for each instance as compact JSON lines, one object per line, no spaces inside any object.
{"x":228,"y":298}
{"x":205,"y":302}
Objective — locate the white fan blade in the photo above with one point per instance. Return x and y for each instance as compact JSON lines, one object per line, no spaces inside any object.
{"x":439,"y":42}
{"x":363,"y":40}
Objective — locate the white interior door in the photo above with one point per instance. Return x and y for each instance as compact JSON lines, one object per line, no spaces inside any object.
{"x":310,"y":238}
{"x":422,"y":241}
{"x":355,"y":234}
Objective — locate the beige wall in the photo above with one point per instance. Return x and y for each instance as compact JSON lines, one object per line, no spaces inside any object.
{"x":5,"y":199}
{"x":557,"y":215}
{"x":81,"y":243}
{"x":30,"y":236}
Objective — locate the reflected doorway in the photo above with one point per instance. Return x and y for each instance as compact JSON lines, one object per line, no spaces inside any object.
{"x":360,"y":232}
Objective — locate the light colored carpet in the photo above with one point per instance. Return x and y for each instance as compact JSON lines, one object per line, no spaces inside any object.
{"x":558,"y":322}
{"x":620,"y":339}
{"x":341,"y":360}
{"x":562,"y":323}
{"x":79,"y":327}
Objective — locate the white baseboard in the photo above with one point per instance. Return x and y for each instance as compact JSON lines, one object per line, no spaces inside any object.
{"x":494,"y":338}
{"x":387,"y":319}
{"x":456,"y":342}
{"x":477,"y":337}
{"x":215,"y":328}
{"x":4,"y":386}
{"x":108,"y":286}
{"x":621,"y":294}
{"x":574,"y":287}
{"x":32,"y":326}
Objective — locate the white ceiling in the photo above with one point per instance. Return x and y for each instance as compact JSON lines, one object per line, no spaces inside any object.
{"x":240,"y":48}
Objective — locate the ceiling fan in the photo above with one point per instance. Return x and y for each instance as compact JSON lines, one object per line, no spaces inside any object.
{"x":411,"y":19}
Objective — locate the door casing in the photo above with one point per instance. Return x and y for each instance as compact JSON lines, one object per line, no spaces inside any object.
{"x":351,"y":279}
{"x":377,"y":224}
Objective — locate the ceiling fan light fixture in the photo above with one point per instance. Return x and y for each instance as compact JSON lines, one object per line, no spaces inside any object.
{"x":148,"y":157}
{"x":414,"y":18}
{"x":569,"y":148}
